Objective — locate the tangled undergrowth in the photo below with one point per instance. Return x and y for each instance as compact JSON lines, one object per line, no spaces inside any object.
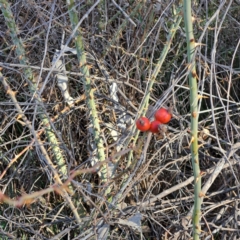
{"x":146,"y":188}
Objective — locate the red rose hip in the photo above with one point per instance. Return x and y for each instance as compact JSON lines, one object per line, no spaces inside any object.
{"x":163,"y":115}
{"x":155,"y":126}
{"x":143,"y":124}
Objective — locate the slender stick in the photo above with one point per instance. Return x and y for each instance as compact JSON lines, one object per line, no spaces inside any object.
{"x":194,"y":118}
{"x":125,"y":14}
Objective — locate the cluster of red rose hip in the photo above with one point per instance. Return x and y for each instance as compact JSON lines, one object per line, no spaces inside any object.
{"x":162,"y":116}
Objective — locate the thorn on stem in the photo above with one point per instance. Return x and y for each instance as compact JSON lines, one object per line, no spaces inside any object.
{"x":199,"y":177}
{"x":201,"y":194}
{"x":194,"y":74}
{"x":191,"y":141}
{"x":194,"y":114}
{"x":197,"y":227}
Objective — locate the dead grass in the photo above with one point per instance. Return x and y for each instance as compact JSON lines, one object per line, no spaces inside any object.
{"x":159,"y":189}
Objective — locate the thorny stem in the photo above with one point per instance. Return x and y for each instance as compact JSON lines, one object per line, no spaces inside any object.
{"x":89,"y":91}
{"x":194,"y":118}
{"x":28,"y":74}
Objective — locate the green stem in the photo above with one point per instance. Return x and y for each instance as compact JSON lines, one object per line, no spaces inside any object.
{"x":88,"y":90}
{"x":194,"y":118}
{"x":28,"y":74}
